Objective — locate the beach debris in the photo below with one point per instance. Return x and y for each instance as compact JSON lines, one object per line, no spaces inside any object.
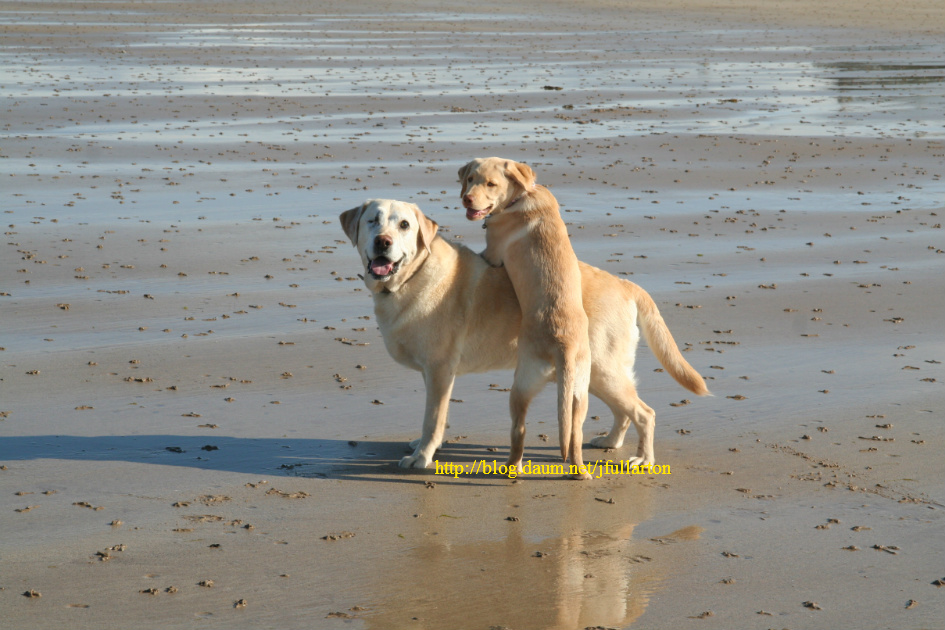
{"x":32,"y":594}
{"x":338,"y":536}
{"x":210,"y":499}
{"x":812,"y":605}
{"x":289,"y":495}
{"x":203,"y":518}
{"x":888,"y":549}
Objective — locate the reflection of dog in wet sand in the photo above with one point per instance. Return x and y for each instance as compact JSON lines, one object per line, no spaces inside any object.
{"x":444,"y":311}
{"x":525,"y":233}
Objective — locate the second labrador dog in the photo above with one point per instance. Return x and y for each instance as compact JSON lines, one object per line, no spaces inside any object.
{"x":526,"y":234}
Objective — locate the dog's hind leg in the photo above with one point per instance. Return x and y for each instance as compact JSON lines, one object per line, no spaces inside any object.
{"x":573,"y":377}
{"x":619,"y":393}
{"x":531,"y":374}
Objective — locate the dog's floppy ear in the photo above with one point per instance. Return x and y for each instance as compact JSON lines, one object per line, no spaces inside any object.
{"x":351,"y":222}
{"x":521,"y":174}
{"x":463,"y":174}
{"x":428,"y":228}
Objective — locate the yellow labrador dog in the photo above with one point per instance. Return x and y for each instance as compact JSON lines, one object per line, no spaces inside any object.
{"x":444,"y":311}
{"x":526,"y":234}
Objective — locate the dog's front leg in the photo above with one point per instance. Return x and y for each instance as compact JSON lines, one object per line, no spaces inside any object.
{"x":439,"y":385}
{"x":492,"y":254}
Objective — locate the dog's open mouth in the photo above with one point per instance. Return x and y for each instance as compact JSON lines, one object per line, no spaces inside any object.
{"x":382,"y":267}
{"x":475,"y":215}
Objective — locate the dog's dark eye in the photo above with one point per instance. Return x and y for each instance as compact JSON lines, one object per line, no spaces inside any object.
{"x":404,"y":225}
{"x":374,"y":221}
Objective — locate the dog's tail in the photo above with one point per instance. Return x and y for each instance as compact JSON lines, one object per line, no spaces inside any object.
{"x":574,"y":375}
{"x":661,"y":342}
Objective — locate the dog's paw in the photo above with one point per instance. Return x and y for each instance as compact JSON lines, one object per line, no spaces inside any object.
{"x":515,"y":465}
{"x":582,"y":474}
{"x":639,"y":461}
{"x":415,"y":461}
{"x":607,"y":441}
{"x":414,"y":444}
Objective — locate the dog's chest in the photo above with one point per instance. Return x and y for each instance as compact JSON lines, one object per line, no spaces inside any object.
{"x":399,"y":328}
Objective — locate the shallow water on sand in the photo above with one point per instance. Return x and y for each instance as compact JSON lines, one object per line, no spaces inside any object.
{"x":262,"y":98}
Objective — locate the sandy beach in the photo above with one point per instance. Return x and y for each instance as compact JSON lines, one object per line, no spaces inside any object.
{"x":199,"y":422}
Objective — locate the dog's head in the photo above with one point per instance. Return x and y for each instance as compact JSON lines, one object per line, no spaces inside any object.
{"x":490,"y":185}
{"x":391,"y":237}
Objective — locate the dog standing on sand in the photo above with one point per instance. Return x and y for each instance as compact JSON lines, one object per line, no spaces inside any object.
{"x":526,"y":234}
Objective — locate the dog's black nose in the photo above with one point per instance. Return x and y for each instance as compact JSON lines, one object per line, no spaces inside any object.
{"x":382,"y":242}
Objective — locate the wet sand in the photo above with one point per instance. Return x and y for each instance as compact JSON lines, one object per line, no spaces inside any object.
{"x":200,"y":424}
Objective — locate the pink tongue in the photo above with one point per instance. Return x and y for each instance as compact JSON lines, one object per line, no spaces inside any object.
{"x":381,"y":269}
